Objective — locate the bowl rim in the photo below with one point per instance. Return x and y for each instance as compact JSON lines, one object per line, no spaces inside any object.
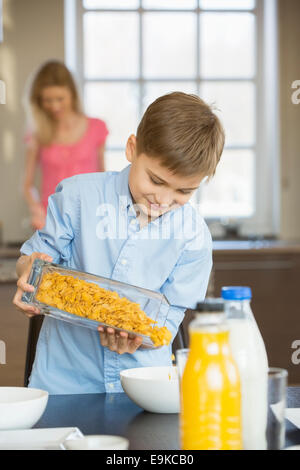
{"x":44,"y":394}
{"x":124,"y":375}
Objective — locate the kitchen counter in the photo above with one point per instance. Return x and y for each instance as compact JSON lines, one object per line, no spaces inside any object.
{"x":13,"y":251}
{"x":8,"y":259}
{"x":8,"y":270}
{"x":116,"y":414}
{"x":280,"y":246}
{"x":10,"y":254}
{"x":8,"y":251}
{"x":257,"y":246}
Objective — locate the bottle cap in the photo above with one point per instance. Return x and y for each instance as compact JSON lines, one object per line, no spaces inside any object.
{"x":236,"y":293}
{"x":211,"y":305}
{"x":210,"y":313}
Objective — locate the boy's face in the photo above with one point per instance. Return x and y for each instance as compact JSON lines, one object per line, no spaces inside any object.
{"x":154,"y":188}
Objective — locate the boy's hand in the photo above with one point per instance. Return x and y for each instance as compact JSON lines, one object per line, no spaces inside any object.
{"x":23,"y":269}
{"x":119,"y":342}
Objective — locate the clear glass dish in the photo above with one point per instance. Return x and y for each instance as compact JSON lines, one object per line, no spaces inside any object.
{"x":154,"y":304}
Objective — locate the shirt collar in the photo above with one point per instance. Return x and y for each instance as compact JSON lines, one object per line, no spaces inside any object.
{"x":122,"y":187}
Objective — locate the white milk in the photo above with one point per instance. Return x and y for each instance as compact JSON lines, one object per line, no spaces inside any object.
{"x":249,"y":352}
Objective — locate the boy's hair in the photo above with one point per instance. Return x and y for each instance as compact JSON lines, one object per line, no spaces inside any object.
{"x":183,"y":132}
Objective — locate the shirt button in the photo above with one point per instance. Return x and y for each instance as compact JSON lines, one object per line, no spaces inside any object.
{"x":133,"y":222}
{"x":111,"y":386}
{"x":124,"y":261}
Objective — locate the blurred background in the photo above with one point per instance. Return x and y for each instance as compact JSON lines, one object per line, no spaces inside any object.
{"x":242,"y":57}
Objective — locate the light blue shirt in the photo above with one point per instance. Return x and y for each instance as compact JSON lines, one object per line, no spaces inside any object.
{"x":92,"y":226}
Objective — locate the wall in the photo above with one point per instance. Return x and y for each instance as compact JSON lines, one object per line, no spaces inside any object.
{"x":33,"y":33}
{"x":289,"y":37}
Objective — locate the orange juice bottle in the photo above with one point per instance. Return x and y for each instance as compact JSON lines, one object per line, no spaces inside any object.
{"x":210,"y":417}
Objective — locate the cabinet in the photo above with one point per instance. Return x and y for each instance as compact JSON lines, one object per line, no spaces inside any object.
{"x":13,"y":335}
{"x":274,"y":277}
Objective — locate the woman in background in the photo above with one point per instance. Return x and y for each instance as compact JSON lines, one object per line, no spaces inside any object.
{"x":64,"y":141}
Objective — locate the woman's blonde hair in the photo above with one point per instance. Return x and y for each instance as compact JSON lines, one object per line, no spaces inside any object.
{"x":52,"y":73}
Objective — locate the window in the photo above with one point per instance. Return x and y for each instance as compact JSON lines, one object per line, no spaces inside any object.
{"x":129,"y":52}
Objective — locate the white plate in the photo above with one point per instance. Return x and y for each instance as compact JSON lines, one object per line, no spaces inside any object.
{"x":97,"y":442}
{"x":293,"y":415}
{"x":47,"y":438}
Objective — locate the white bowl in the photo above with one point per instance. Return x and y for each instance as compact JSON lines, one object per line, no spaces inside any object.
{"x":21,"y":407}
{"x":155,"y":389}
{"x":97,"y":442}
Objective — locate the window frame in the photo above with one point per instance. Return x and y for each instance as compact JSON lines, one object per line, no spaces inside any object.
{"x":265,"y":220}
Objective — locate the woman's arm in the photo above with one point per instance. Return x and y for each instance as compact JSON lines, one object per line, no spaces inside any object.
{"x":29,"y":191}
{"x":101,"y":150}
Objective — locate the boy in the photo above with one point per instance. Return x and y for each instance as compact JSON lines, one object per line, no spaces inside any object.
{"x":134,"y":226}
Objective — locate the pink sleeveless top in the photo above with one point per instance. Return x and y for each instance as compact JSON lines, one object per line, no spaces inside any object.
{"x":62,"y":161}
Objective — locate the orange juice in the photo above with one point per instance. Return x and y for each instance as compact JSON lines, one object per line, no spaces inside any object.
{"x":210,"y":417}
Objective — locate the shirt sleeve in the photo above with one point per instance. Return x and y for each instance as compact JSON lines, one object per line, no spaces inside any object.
{"x":101,"y":132}
{"x":55,"y":239}
{"x":187,"y":284}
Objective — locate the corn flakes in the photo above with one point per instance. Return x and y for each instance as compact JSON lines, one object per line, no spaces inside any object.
{"x":89,"y":300}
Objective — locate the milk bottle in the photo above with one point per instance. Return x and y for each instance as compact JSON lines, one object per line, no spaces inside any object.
{"x":249,"y":352}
